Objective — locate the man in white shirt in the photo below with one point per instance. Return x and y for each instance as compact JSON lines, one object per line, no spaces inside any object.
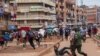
{"x":42,"y":32}
{"x":23,"y":33}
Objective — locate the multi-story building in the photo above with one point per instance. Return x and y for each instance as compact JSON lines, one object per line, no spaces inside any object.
{"x":98,"y":15}
{"x":35,"y":13}
{"x":67,"y":10}
{"x":92,"y":14}
{"x":4,"y":14}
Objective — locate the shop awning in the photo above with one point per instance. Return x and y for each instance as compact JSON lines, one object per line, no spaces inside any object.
{"x":25,"y":28}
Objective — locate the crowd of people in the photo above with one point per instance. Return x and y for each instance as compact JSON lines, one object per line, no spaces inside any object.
{"x":76,"y":37}
{"x":24,"y":36}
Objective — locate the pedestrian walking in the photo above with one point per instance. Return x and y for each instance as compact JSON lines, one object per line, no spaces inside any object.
{"x":76,"y":43}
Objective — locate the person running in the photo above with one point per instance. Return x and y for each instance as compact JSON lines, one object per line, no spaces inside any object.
{"x":37,"y":37}
{"x":76,"y":43}
{"x":95,"y":30}
{"x":49,"y":32}
{"x":90,"y":31}
{"x":41,"y":33}
{"x":61,"y":52}
{"x":6,"y":37}
{"x":23,"y":35}
{"x":83,"y":33}
{"x":30,"y":38}
{"x":67,"y":32}
{"x":18,"y":37}
{"x":61,"y":32}
{"x":1,"y":42}
{"x":56,"y":32}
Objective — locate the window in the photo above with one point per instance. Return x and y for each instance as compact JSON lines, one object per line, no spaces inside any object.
{"x":61,"y":1}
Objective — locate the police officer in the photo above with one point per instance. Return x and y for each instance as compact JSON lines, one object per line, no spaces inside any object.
{"x":76,"y":43}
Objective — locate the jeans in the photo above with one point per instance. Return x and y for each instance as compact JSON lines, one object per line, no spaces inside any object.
{"x":31,"y":42}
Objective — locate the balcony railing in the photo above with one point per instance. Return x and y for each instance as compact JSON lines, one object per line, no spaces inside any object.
{"x":35,"y":1}
{"x":41,"y":8}
{"x":32,"y":25}
{"x":36,"y":9}
{"x":70,"y":1}
{"x":35,"y":17}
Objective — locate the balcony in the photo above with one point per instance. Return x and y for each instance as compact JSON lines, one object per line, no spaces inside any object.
{"x":70,"y":1}
{"x":36,"y":8}
{"x":32,"y":25}
{"x":26,"y":1}
{"x":41,"y":8}
{"x":35,"y":17}
{"x":35,"y":1}
{"x":49,"y":2}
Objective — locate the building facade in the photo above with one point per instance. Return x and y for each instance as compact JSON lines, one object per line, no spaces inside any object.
{"x":98,"y":15}
{"x":93,"y":15}
{"x":4,"y":14}
{"x":35,"y":13}
{"x":67,"y":11}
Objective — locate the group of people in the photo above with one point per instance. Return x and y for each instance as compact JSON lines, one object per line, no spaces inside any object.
{"x":77,"y":35}
{"x":24,"y":36}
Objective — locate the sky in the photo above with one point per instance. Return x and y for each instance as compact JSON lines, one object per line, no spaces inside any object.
{"x":89,"y":2}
